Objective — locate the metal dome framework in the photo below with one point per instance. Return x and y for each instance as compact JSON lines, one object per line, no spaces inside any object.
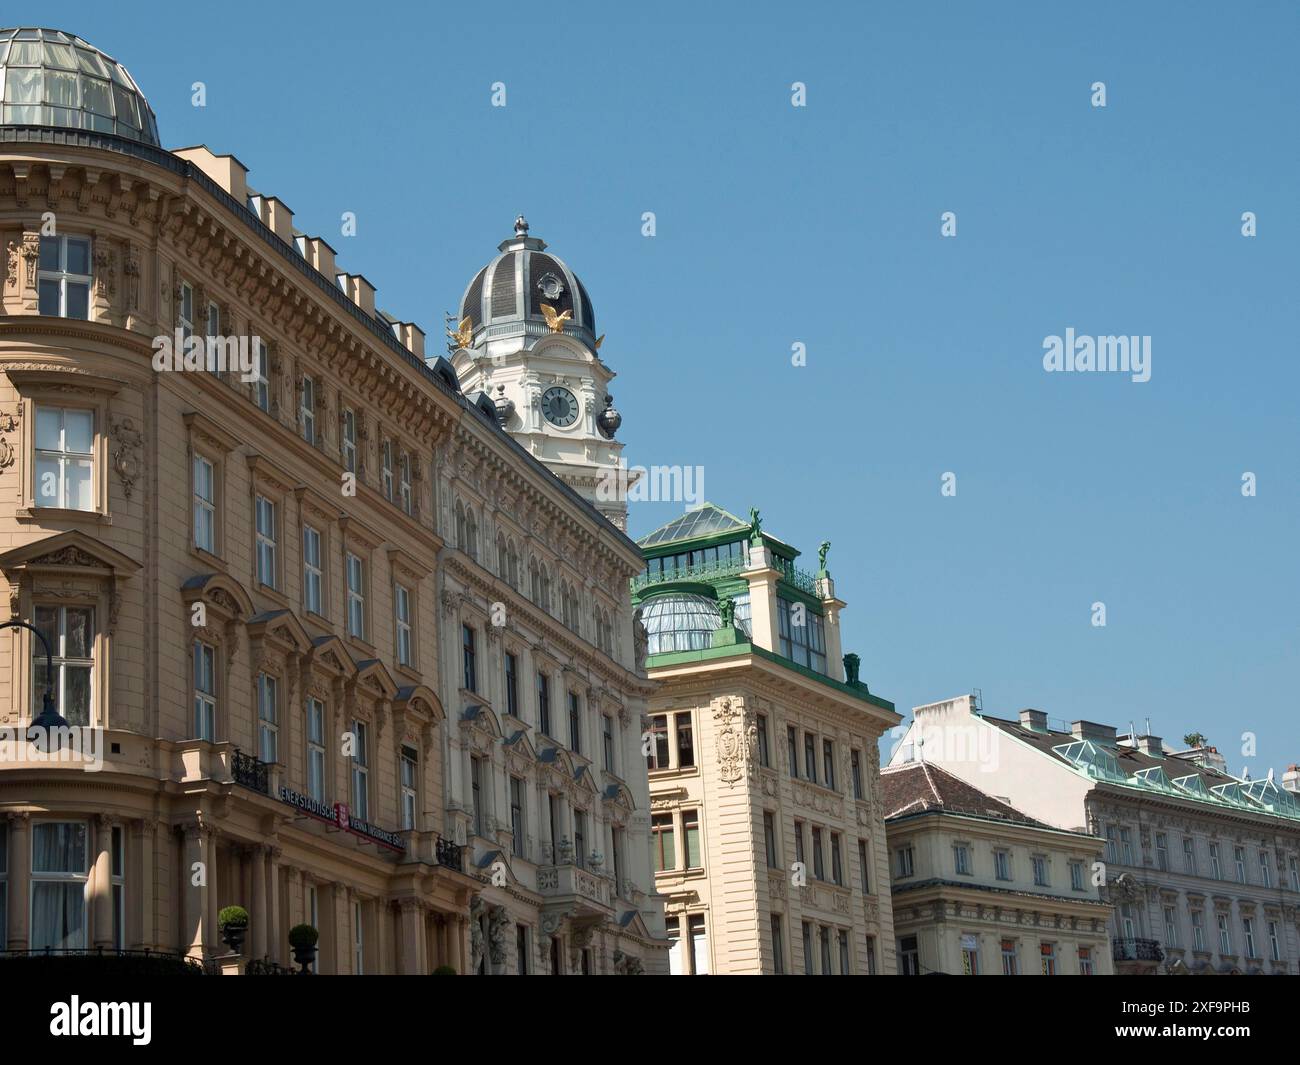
{"x":52,"y":78}
{"x":506,"y":296}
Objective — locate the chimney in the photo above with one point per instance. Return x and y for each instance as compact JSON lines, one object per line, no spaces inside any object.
{"x":1151,"y":745}
{"x":412,"y":338}
{"x":1291,"y":778}
{"x":225,"y":170}
{"x":359,"y":291}
{"x":1090,"y":730}
{"x":320,"y":255}
{"x":1033,"y":720}
{"x":279,"y":218}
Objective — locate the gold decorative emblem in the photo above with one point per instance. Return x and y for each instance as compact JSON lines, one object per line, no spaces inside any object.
{"x":463,"y":335}
{"x":555,"y":319}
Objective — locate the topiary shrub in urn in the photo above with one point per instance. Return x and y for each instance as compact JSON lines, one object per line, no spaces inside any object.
{"x":303,"y":939}
{"x":233,"y":922}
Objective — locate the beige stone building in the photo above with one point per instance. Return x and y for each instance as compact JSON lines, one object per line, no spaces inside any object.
{"x":241,"y":562}
{"x":766,"y":817}
{"x":981,"y":889}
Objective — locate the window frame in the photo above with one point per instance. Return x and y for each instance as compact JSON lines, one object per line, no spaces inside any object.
{"x":63,"y":277}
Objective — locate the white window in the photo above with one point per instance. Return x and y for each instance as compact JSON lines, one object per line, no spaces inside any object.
{"x":70,"y":631}
{"x":361,"y":770}
{"x":904,"y":855}
{"x":386,"y":468}
{"x":404,"y":483}
{"x":1126,"y":845}
{"x":186,"y":314}
{"x":359,"y":940}
{"x":261,"y":375}
{"x":402,"y":605}
{"x":268,"y":721}
{"x":1215,"y":868}
{"x":316,"y":749}
{"x":1127,"y":921}
{"x":65,"y":461}
{"x":1239,"y":855}
{"x":961,"y":859}
{"x":1225,"y":935}
{"x":1002,"y":865}
{"x":350,"y":440}
{"x":1294,"y":866}
{"x":1198,"y":930}
{"x":63,"y":280}
{"x":1274,"y":947}
{"x":205,"y":505}
{"x":205,"y":691}
{"x":1189,"y":855}
{"x":1248,"y":928}
{"x":1040,"y":870}
{"x":1171,"y":926}
{"x":267,"y":566}
{"x":312,"y":574}
{"x":1265,"y":870}
{"x":1076,"y":876}
{"x":60,"y":864}
{"x":356,"y":597}
{"x":307,"y":410}
{"x":410,"y":768}
{"x":1162,"y":852}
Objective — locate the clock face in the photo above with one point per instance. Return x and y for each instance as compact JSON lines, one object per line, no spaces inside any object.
{"x":559,"y":406}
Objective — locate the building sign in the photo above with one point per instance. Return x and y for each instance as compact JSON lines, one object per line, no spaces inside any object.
{"x":339,"y":816}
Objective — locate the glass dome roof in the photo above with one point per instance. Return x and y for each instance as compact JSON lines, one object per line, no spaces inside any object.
{"x":51,"y":78}
{"x":679,"y":622}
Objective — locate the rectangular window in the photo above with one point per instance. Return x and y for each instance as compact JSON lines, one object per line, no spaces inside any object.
{"x":267,"y":536}
{"x":1002,"y":865}
{"x":691,"y":837}
{"x":970,"y":959}
{"x":1189,"y":855}
{"x":316,"y":749}
{"x":517,"y":816}
{"x":685,"y":740}
{"x":117,"y":867}
{"x":764,"y":757}
{"x":356,"y":572}
{"x":1126,"y":845}
{"x":828,"y":763}
{"x":313,"y":576}
{"x":845,"y":966}
{"x":792,"y":751}
{"x":186,"y":310}
{"x":1112,"y":845}
{"x":807,"y":949}
{"x":65,"y":460}
{"x":214,"y":322}
{"x":769,"y":840}
{"x":70,"y":632}
{"x":512,"y":684}
{"x":405,"y":496}
{"x":1085,"y":961}
{"x":903,"y":858}
{"x":261,"y":375}
{"x":268,"y":724}
{"x":361,"y":770}
{"x":1076,"y":876}
{"x":1265,"y":870}
{"x":1010,"y":961}
{"x":521,"y":949}
{"x":798,"y":842}
{"x":865,"y":866}
{"x":1198,"y":930}
{"x":63,"y":276}
{"x":575,"y":722}
{"x":810,"y":756}
{"x":1274,"y":946}
{"x":699,"y":942}
{"x":837,"y":862}
{"x":664,"y":842}
{"x":778,"y":946}
{"x":544,"y":704}
{"x":1162,"y":852}
{"x":1047,"y":954}
{"x":1293,"y":866}
{"x":580,"y":838}
{"x":205,"y":691}
{"x":658,"y":757}
{"x":479,"y":796}
{"x":607,"y":741}
{"x":410,"y":781}
{"x":616,"y":850}
{"x":60,"y":868}
{"x":205,"y":505}
{"x":350,"y":440}
{"x":871,"y":955}
{"x":1216,"y":870}
{"x":1248,"y":932}
{"x":825,"y":939}
{"x":359,"y":940}
{"x":961,"y":859}
{"x":469,"y":671}
{"x":402,"y":610}
{"x":1171,"y":926}
{"x":1239,"y":856}
{"x":819,"y":865}
{"x":307,"y":410}
{"x":386,"y":468}
{"x":1039,"y":864}
{"x":855,"y":762}
{"x":1225,"y":934}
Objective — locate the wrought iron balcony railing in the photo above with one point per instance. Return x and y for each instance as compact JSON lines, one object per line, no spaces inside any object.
{"x":250,"y":772}
{"x":1137,"y":950}
{"x":450,"y":854}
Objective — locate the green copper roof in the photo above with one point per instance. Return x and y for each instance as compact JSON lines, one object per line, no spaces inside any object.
{"x":705,"y":520}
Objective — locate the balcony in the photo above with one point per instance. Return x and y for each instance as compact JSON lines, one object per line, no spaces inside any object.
{"x":586,"y":892}
{"x":250,"y":772}
{"x":449,"y":854}
{"x":1137,"y":950}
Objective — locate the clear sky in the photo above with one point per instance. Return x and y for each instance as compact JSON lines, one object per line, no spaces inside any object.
{"x":821,"y":225}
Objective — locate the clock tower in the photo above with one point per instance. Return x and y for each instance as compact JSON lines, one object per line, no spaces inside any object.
{"x":526,"y":338}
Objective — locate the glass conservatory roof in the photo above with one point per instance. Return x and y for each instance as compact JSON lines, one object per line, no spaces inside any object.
{"x":706,"y":520}
{"x":1194,"y":786}
{"x":51,"y":78}
{"x":1093,"y":760}
{"x":679,"y":622}
{"x":1271,"y":797}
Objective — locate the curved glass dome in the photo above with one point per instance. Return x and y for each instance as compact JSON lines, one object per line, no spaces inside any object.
{"x":679,"y":622}
{"x":52,"y":78}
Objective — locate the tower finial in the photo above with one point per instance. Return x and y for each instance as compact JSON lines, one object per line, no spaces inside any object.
{"x":521,"y":226}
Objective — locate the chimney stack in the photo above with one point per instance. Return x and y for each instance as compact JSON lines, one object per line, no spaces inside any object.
{"x":359,"y":291}
{"x":1291,"y":778}
{"x":278,"y":218}
{"x":1033,"y":720}
{"x":1151,"y":745}
{"x":1090,"y":730}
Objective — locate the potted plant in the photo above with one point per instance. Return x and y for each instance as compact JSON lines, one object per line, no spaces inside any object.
{"x":303,"y":939}
{"x":444,"y":970}
{"x":233,"y":922}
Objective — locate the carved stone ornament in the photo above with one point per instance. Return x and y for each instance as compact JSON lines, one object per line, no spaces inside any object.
{"x":127,"y":441}
{"x":31,"y":255}
{"x":736,"y":736}
{"x":8,"y":423}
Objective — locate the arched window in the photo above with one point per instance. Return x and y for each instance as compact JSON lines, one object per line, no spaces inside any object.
{"x":460,"y":525}
{"x":514,"y":566}
{"x":471,"y":534}
{"x":534,"y":581}
{"x":503,"y":558}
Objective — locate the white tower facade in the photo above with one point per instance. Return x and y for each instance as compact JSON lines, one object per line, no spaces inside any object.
{"x":526,"y":338}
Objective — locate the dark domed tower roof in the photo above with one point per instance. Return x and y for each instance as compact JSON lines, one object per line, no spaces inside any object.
{"x":510,"y":290}
{"x":52,"y":78}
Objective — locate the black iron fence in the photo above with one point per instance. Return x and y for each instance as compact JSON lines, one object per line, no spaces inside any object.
{"x":1137,"y":950}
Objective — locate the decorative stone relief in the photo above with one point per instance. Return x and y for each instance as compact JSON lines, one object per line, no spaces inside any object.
{"x":127,"y":442}
{"x":737,"y":733}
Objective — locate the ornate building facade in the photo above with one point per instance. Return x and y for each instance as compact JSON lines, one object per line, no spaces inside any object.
{"x":239,"y":557}
{"x":766,"y":819}
{"x":1202,"y":868}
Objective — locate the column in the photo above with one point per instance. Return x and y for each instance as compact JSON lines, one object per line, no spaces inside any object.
{"x":274,"y":932}
{"x":194,"y":890}
{"x":294,"y":887}
{"x":20,"y":868}
{"x":411,"y":962}
{"x":212,"y":872}
{"x":102,"y":889}
{"x":257,"y":917}
{"x":140,"y":886}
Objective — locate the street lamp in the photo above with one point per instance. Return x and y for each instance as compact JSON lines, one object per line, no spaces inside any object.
{"x":49,"y":717}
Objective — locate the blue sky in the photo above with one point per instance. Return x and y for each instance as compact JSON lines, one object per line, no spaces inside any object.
{"x":820,"y":225}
